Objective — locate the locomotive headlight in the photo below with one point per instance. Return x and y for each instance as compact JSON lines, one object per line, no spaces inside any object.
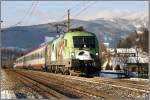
{"x":96,"y":54}
{"x":73,"y":54}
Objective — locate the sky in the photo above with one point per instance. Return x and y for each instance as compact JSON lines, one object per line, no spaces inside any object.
{"x":26,"y":13}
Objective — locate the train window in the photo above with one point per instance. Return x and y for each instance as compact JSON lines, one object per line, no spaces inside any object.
{"x":43,"y":53}
{"x":27,"y":58}
{"x":36,"y":55}
{"x":65,"y":42}
{"x":39,"y":55}
{"x":84,"y":41}
{"x":33,"y":56}
{"x":30,"y":57}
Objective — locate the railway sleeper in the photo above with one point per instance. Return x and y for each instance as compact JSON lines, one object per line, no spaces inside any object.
{"x":79,"y":88}
{"x":40,"y":87}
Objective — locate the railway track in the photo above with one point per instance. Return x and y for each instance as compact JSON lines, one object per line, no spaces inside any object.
{"x":130,"y":84}
{"x":40,"y":88}
{"x":125,"y":87}
{"x":78,"y":87}
{"x":71,"y":90}
{"x":142,"y":86}
{"x":58,"y":87}
{"x":119,"y":88}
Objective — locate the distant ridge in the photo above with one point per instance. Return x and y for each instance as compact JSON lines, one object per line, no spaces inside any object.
{"x":107,"y":30}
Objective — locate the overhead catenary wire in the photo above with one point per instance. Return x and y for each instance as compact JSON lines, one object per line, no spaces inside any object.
{"x":68,"y":22}
{"x":24,"y":17}
{"x":65,"y":15}
{"x":27,"y":13}
{"x":85,"y":8}
{"x":75,"y":7}
{"x":82,"y":10}
{"x":31,"y":13}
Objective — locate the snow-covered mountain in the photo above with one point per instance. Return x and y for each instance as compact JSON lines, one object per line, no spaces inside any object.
{"x":109,"y":30}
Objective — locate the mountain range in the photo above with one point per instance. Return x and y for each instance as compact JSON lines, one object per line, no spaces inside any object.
{"x":109,"y":30}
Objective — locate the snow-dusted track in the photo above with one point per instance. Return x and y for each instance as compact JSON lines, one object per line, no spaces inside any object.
{"x":60,"y":87}
{"x":65,"y":86}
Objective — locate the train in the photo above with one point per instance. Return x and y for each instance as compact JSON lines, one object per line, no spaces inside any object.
{"x":74,"y":52}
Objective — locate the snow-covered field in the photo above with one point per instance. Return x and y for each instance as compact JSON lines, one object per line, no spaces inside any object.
{"x":8,"y":94}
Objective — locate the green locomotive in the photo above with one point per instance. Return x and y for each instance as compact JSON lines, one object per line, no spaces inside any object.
{"x":75,"y":52}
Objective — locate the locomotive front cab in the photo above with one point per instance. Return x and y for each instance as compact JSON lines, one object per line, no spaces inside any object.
{"x":83,"y":51}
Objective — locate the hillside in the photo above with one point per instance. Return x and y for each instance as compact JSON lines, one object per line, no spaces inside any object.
{"x":136,"y":40}
{"x":107,"y":30}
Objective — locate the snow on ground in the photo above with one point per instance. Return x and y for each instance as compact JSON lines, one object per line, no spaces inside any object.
{"x":7,"y":94}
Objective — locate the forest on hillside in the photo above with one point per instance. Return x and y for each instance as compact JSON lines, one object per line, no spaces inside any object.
{"x":135,"y":39}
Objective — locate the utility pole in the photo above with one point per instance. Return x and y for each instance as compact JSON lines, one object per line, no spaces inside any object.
{"x":60,"y":26}
{"x":68,"y":20}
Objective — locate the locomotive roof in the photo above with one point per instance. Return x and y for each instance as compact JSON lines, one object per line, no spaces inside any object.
{"x":79,"y":32}
{"x":70,"y":33}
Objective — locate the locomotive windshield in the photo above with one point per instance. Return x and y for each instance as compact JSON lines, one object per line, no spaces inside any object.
{"x":84,"y":41}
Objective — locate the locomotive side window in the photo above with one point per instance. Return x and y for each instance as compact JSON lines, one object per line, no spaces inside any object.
{"x":84,"y":41}
{"x":65,"y":42}
{"x":53,"y":47}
